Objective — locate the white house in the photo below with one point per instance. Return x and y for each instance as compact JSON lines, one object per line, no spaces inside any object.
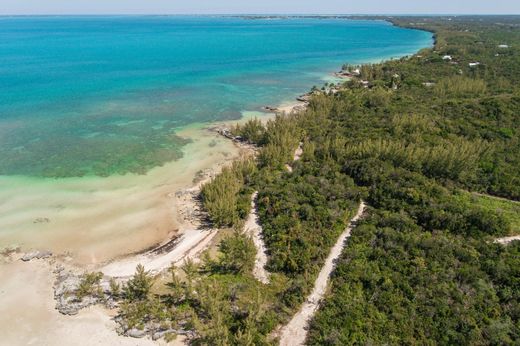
{"x":474,"y":64}
{"x":447,"y":57}
{"x":503,"y":46}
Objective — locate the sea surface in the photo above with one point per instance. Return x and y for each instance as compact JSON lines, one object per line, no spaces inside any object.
{"x":101,"y":96}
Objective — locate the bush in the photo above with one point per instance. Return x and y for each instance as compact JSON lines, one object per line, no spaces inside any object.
{"x":139,"y":286}
{"x":226,"y":198}
{"x":237,"y":254}
{"x":459,"y":86}
{"x":89,"y":285}
{"x":252,"y":131}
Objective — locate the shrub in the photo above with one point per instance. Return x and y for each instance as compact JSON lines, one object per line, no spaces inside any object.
{"x":139,"y":286}
{"x":89,"y":285}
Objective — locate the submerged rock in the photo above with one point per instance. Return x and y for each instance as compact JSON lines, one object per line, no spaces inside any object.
{"x":271,"y":109}
{"x":36,"y":255}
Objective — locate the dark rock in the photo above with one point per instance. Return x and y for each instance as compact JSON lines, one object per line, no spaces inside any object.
{"x":136,"y":333}
{"x":271,"y":109}
{"x":36,"y":255}
{"x":158,"y":335}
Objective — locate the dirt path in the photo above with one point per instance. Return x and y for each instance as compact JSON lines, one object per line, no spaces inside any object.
{"x":507,"y":240}
{"x":298,"y":152}
{"x":253,"y":228}
{"x":494,"y":197}
{"x":297,"y":156}
{"x":295,"y":333}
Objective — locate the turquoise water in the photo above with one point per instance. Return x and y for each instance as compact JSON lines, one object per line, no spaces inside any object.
{"x":106,"y":95}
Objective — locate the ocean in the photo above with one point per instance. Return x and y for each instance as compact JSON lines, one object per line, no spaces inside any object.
{"x":102,"y":96}
{"x":103,"y":119}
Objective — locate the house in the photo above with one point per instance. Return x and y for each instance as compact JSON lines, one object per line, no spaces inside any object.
{"x":365,"y":83}
{"x":474,"y":64}
{"x":503,"y":46}
{"x":447,"y":57}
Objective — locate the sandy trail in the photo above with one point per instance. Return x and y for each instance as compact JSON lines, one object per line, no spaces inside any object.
{"x":295,"y":333}
{"x":507,"y":240}
{"x":253,"y":228}
{"x":298,"y":152}
{"x":495,"y":197}
{"x":297,"y":156}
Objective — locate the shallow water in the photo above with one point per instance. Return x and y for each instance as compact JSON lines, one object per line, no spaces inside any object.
{"x":94,"y":100}
{"x":107,"y":95}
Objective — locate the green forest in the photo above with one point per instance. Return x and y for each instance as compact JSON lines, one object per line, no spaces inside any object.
{"x":422,"y":268}
{"x":432,"y":146}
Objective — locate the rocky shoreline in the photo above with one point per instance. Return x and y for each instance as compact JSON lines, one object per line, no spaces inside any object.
{"x":70,"y":280}
{"x":68,"y":302}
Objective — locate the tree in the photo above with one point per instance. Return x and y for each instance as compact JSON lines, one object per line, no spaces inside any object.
{"x":138,"y":287}
{"x":238,"y":254}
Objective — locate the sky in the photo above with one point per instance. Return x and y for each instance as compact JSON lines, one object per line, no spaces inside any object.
{"x":26,"y":7}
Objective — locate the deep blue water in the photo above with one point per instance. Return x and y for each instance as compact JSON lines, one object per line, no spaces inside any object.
{"x":105,"y":95}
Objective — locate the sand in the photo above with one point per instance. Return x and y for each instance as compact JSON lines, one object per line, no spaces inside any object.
{"x":507,"y":240}
{"x":93,"y":223}
{"x":290,"y":107}
{"x":28,"y":316}
{"x":190,"y":246}
{"x":98,"y":219}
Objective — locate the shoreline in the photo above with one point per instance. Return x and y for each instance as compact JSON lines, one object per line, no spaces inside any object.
{"x":95,"y":219}
{"x":28,"y":293}
{"x":122,"y":264}
{"x":192,"y":237}
{"x":31,"y":233}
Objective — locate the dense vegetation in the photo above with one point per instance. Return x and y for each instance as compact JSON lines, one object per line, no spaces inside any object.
{"x":227,"y":197}
{"x":422,"y":269}
{"x":416,"y":144}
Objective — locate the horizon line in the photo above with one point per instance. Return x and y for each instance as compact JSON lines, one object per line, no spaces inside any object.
{"x":266,"y":14}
